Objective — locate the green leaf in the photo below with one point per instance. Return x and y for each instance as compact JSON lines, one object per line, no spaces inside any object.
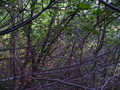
{"x":84,"y":5}
{"x":73,"y":0}
{"x":97,"y":12}
{"x":95,"y":32}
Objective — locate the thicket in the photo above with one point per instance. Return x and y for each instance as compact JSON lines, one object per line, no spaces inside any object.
{"x":59,"y":45}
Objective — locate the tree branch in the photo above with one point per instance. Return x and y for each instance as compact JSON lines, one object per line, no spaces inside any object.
{"x":10,"y":29}
{"x":110,"y":6}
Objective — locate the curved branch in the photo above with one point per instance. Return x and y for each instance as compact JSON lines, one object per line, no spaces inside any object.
{"x":10,"y":29}
{"x":110,"y":6}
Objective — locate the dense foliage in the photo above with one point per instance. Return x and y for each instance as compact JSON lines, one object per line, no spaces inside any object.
{"x":59,"y":44}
